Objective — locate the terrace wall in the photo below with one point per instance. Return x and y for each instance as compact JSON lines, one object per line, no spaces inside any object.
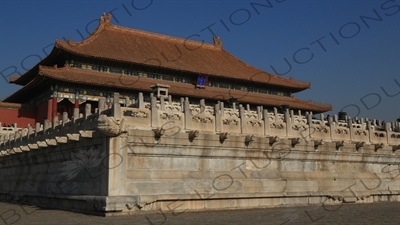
{"x":177,"y":156}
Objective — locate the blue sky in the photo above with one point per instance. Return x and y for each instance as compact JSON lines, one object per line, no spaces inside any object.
{"x":348,"y":50}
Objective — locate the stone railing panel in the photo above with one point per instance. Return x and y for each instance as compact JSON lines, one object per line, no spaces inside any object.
{"x":341,"y":133}
{"x":320,"y":132}
{"x":175,"y":118}
{"x":277,"y":128}
{"x":137,"y":117}
{"x":379,"y":136}
{"x":231,"y":124}
{"x":394,"y":138}
{"x":232,"y":113}
{"x":255,"y":126}
{"x":361,"y":135}
{"x":300,"y":130}
{"x":203,"y":122}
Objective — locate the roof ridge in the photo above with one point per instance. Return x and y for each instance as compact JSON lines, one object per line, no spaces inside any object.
{"x":262,"y":71}
{"x":89,"y":39}
{"x":164,"y":36}
{"x":105,"y":23}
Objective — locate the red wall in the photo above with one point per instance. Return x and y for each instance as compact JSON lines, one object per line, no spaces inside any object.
{"x":42,"y":112}
{"x":19,"y":116}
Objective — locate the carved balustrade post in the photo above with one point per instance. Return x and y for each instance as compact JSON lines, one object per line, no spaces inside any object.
{"x":266,"y":123}
{"x":242,"y":120}
{"x":187,"y":114}
{"x":217,"y":113}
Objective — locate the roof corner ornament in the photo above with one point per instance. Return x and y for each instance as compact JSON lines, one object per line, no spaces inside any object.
{"x":217,"y":41}
{"x":105,"y":18}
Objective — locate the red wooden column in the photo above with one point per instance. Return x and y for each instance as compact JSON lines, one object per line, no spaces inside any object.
{"x":108,"y":102}
{"x":54,"y":108}
{"x":54,"y":103}
{"x":49,"y":109}
{"x":76,"y":106}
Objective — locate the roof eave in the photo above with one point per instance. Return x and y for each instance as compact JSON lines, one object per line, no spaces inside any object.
{"x":29,"y":75}
{"x":21,"y":93}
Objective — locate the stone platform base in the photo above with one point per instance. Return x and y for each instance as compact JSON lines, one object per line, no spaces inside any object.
{"x":129,"y":205}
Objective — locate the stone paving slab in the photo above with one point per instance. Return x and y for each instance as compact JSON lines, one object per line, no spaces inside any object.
{"x":374,"y":213}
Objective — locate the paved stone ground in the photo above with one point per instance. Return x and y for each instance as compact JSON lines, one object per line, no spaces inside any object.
{"x":376,"y":213}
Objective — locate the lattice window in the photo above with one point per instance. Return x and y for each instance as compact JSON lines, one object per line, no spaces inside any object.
{"x":115,"y":70}
{"x":168,"y":77}
{"x":224,"y":85}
